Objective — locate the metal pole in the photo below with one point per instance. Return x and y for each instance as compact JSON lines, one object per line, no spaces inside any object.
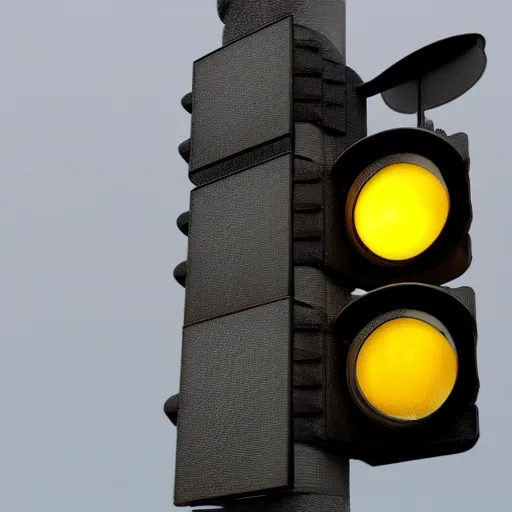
{"x":327,"y":18}
{"x":324,"y":16}
{"x":421,"y":110}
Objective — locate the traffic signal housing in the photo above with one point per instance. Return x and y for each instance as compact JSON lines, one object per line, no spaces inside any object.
{"x":286,"y":373}
{"x":405,"y":351}
{"x":404,"y":199}
{"x":407,"y":354}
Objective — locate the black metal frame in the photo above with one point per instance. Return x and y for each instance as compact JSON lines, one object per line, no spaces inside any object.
{"x":453,"y":168}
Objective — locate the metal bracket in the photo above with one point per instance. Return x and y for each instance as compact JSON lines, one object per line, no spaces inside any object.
{"x":431,"y":76}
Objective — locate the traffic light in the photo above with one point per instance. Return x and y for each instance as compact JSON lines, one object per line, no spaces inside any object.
{"x":286,"y":372}
{"x":409,"y":346}
{"x":404,"y":198}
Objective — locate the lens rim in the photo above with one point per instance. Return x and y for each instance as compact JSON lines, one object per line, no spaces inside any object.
{"x":353,"y":354}
{"x":360,"y":182}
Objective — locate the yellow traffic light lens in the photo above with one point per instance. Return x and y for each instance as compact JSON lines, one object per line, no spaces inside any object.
{"x":406,"y":369}
{"x":401,"y":211}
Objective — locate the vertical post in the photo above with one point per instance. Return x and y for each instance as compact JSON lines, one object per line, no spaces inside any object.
{"x":421,"y":109}
{"x":327,"y":18}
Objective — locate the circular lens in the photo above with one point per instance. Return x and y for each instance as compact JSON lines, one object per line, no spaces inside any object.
{"x":406,"y":369}
{"x":401,"y":211}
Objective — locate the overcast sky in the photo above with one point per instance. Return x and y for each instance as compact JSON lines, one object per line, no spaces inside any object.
{"x":90,"y":186}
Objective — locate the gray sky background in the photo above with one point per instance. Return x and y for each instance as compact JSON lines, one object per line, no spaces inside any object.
{"x":90,"y":186}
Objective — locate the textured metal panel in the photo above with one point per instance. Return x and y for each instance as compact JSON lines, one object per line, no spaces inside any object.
{"x":239,"y":241}
{"x":242,"y":95}
{"x":234,"y":423}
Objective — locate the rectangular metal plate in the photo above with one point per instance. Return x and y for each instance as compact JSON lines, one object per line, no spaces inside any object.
{"x":242,"y":95}
{"x":239,"y":247}
{"x":234,"y":423}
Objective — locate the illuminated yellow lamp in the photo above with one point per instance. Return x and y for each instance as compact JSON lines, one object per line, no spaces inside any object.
{"x":401,"y":211}
{"x":406,"y":369}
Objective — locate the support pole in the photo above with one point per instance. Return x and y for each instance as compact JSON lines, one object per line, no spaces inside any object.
{"x":326,"y":17}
